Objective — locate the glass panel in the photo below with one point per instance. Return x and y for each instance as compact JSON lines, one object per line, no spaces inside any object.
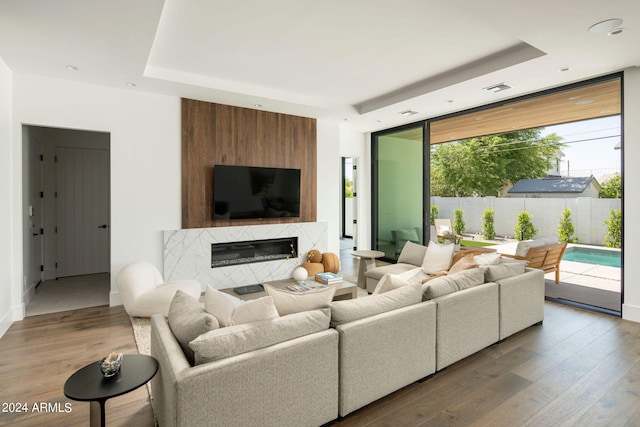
{"x":399,"y":181}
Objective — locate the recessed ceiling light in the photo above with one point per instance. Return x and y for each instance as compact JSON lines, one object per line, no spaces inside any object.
{"x":257,"y":105}
{"x":408,"y":112}
{"x":449,"y":101}
{"x":71,"y":68}
{"x":563,"y":69}
{"x":497,"y":87}
{"x":131,"y":84}
{"x":604,"y":27}
{"x":615,"y":31}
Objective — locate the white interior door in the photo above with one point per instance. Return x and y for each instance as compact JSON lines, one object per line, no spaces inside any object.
{"x":82,"y":207}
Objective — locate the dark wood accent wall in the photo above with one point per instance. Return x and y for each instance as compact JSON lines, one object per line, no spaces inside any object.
{"x":221,"y":134}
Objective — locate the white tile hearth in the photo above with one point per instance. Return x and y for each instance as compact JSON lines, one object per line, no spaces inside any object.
{"x":187,"y":253}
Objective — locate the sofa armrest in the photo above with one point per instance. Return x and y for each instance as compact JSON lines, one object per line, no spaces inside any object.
{"x":383,"y":353}
{"x":521,"y":301}
{"x":248,"y":389}
{"x":467,"y":321}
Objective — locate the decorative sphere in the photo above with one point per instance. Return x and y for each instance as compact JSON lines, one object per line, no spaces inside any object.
{"x":299,"y":274}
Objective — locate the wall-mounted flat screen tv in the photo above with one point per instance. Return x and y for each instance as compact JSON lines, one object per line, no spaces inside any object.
{"x":249,"y":192}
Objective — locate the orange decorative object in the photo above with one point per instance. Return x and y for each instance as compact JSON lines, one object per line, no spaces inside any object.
{"x":331,"y":262}
{"x":313,"y":268}
{"x":314,"y":255}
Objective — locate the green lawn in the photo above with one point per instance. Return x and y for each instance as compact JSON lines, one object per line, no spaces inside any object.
{"x":468,"y":243}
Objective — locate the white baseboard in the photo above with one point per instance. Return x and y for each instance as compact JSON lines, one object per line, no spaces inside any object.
{"x":631,"y":312}
{"x":7,"y":319}
{"x":114,"y":299}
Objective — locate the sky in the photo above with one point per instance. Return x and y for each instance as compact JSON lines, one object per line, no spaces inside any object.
{"x":590,"y":144}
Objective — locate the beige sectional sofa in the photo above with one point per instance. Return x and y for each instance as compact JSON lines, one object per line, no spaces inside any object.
{"x":362,"y":350}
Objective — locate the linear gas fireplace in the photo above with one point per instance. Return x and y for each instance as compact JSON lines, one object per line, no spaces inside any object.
{"x":250,"y":251}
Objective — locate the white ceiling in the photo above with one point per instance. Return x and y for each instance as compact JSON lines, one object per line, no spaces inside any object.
{"x":360,"y":62}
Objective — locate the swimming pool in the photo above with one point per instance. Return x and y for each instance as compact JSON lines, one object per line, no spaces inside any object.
{"x":596,"y":256}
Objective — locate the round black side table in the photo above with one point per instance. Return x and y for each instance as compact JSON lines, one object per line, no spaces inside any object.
{"x":88,"y":384}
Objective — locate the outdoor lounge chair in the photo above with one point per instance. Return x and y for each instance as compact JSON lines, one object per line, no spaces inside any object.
{"x":546,"y":257}
{"x":443,"y":226}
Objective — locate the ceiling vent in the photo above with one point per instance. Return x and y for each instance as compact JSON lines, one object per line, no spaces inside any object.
{"x":497,"y":88}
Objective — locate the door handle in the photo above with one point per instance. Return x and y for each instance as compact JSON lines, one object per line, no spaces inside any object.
{"x":103,"y":226}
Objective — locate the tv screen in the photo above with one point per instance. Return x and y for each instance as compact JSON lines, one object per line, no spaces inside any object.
{"x":243,"y":192}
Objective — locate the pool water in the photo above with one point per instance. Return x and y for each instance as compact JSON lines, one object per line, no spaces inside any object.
{"x":592,"y":256}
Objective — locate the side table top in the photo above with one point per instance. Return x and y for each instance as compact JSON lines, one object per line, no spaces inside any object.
{"x":88,"y":384}
{"x":366,"y":253}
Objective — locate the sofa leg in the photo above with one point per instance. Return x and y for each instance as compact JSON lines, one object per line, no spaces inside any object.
{"x":421,"y":380}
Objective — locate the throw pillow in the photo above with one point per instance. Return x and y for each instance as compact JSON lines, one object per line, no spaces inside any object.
{"x":287,"y":302}
{"x":412,"y":253}
{"x":187,"y":320}
{"x":465,"y":263}
{"x":487,"y":259}
{"x":494,"y":273}
{"x":449,"y":284}
{"x":437,"y":258}
{"x":230,"y":310}
{"x":238,"y":339}
{"x":359,"y":308}
{"x":392,"y":281}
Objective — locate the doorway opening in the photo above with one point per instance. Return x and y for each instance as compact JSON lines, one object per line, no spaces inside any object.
{"x":66,"y":193}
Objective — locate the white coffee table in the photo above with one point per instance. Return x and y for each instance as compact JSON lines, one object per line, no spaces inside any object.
{"x":344,"y":290}
{"x":367,"y":261}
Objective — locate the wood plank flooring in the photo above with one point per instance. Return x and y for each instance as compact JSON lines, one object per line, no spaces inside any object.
{"x":579,"y":368}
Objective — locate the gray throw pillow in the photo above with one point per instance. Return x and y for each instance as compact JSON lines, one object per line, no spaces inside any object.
{"x":412,"y":253}
{"x":188,"y":320}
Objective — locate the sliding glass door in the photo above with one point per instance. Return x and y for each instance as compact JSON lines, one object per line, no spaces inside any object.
{"x":398,"y":188}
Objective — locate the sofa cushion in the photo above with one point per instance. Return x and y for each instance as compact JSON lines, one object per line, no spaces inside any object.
{"x":238,"y":339}
{"x":444,"y":285}
{"x":359,"y":308}
{"x":230,"y":310}
{"x":437,"y":257}
{"x":493,"y":273}
{"x":289,"y":302}
{"x":187,"y":320}
{"x":412,"y":253}
{"x":399,"y":268}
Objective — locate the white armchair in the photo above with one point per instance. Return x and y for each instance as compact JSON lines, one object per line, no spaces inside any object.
{"x":144,"y":293}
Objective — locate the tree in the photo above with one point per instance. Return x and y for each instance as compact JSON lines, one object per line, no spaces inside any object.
{"x":458,"y":222}
{"x":483,"y":166}
{"x":566,"y":228}
{"x":433,"y":214}
{"x":613,"y":238}
{"x":611,"y":188}
{"x":524,"y":229}
{"x":488,"y":230}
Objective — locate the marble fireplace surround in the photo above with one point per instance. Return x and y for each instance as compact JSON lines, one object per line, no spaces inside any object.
{"x":187,"y":253}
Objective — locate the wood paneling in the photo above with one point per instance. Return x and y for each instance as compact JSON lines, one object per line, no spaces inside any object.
{"x":581,"y":103}
{"x":222,"y":134}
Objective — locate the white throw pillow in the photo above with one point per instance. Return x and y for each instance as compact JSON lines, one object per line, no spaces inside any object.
{"x":487,"y":259}
{"x":437,"y":258}
{"x":230,"y":310}
{"x":294,"y":302}
{"x":389,"y":281}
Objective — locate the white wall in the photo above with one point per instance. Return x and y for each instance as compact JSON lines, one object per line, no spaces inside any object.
{"x":631,"y":197}
{"x":8,"y":300}
{"x":356,"y":144}
{"x":145,"y":159}
{"x":328,"y":180}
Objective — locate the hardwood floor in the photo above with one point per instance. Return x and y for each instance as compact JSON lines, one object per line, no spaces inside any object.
{"x":38,"y":354}
{"x":579,"y":368}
